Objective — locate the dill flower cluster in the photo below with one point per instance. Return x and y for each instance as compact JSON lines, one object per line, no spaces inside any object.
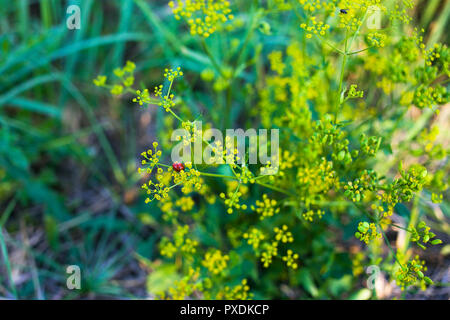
{"x":315,"y":5}
{"x":238,"y":292}
{"x":283,"y":234}
{"x":377,"y":39}
{"x":332,"y":169}
{"x":367,"y":232}
{"x":254,"y":237}
{"x":231,"y":200}
{"x":125,"y":75}
{"x":266,"y":208}
{"x":412,"y":273}
{"x":181,"y":243}
{"x":290,"y":258}
{"x":215,"y":261}
{"x":315,"y":27}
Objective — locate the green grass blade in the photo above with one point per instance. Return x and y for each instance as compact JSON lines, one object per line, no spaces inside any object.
{"x":27,"y":86}
{"x":46,"y":13}
{"x":106,"y":146}
{"x":23,"y":18}
{"x":73,"y":48}
{"x":36,"y":106}
{"x":125,"y":16}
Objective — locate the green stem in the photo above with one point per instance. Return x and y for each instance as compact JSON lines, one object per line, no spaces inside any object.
{"x":357,"y":30}
{"x":274,"y":188}
{"x":177,"y":117}
{"x":207,"y":174}
{"x":389,"y":246}
{"x":359,"y":51}
{"x":332,"y":46}
{"x":344,"y":62}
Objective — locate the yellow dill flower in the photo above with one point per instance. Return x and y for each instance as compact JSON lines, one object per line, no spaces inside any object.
{"x":427,"y":97}
{"x":181,"y":243}
{"x":265,"y":208}
{"x":167,"y":248}
{"x":232,"y":186}
{"x":185,"y":203}
{"x":318,"y":178}
{"x":204,"y":17}
{"x":386,"y":84}
{"x":119,"y":72}
{"x":100,"y":81}
{"x":367,"y":232}
{"x":315,"y":5}
{"x":129,"y":67}
{"x":266,"y":259}
{"x":283,"y":234}
{"x":167,"y":102}
{"x":117,"y":89}
{"x":290,"y":258}
{"x":412,"y":274}
{"x":354,"y":93}
{"x":309,"y":215}
{"x":315,"y":27}
{"x":142,"y":97}
{"x":271,"y":250}
{"x":357,"y":264}
{"x":231,"y":200}
{"x":215,"y":262}
{"x":238,"y":292}
{"x":276,"y":62}
{"x":437,"y":198}
{"x":377,"y":39}
{"x":128,"y":81}
{"x":188,"y":178}
{"x":375,"y":64}
{"x":207,"y":74}
{"x":151,"y":158}
{"x":171,"y":74}
{"x":254,"y":237}
{"x":356,"y":11}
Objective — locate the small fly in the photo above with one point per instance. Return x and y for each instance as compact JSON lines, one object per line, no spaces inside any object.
{"x":344,"y":11}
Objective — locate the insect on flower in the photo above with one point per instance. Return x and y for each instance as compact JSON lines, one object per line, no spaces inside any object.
{"x":177,"y":166}
{"x":344,"y":11}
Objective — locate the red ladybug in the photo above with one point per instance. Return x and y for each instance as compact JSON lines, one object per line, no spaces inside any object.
{"x":178,"y":166}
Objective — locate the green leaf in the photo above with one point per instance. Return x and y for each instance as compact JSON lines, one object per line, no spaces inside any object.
{"x":308,"y":283}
